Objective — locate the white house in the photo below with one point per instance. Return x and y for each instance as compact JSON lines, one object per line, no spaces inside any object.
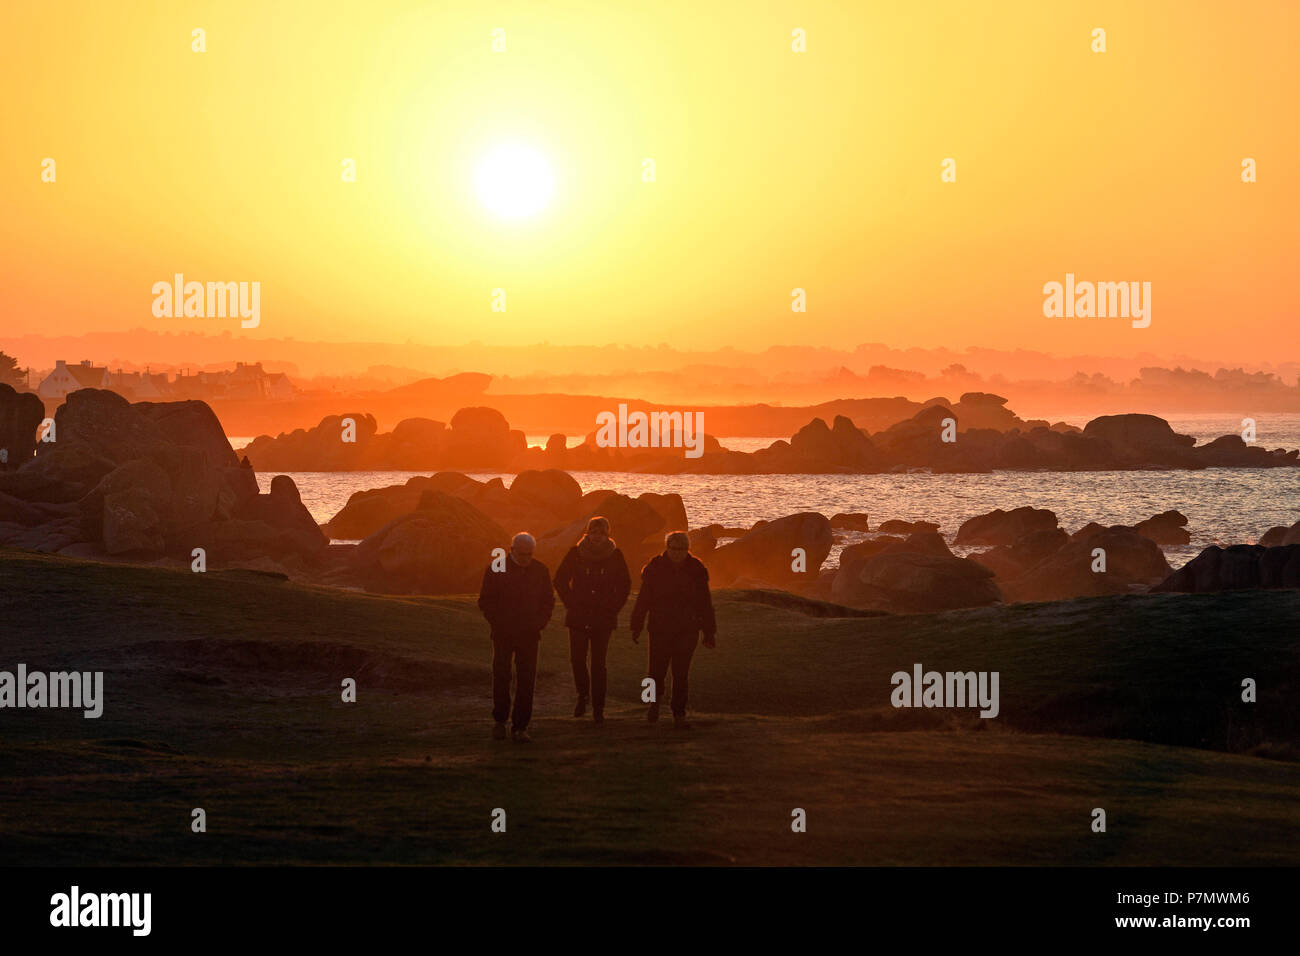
{"x":68,"y":378}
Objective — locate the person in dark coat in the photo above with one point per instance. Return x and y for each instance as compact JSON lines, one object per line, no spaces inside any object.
{"x":593,"y":582}
{"x":517,"y":600}
{"x":675,"y":596}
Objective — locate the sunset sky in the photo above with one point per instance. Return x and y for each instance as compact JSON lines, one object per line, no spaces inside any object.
{"x":775,"y":170}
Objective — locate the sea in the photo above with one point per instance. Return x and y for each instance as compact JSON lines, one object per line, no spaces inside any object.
{"x":1223,"y":505}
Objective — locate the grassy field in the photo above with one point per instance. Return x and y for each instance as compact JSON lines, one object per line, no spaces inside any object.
{"x":223,"y":692}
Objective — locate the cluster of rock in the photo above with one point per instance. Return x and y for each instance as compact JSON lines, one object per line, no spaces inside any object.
{"x":1272,"y":563}
{"x":149,"y":480}
{"x":481,"y":438}
{"x":1241,"y":566}
{"x":153,"y":481}
{"x":21,"y":414}
{"x":1029,"y":558}
{"x":1033,"y":559}
{"x":1111,"y":442}
{"x":436,"y":534}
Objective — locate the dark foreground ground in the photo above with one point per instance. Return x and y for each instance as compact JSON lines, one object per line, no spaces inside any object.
{"x":223,"y":692}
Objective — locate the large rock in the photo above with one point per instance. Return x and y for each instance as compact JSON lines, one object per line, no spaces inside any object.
{"x":632,"y":523}
{"x":144,"y":477}
{"x":669,"y":507}
{"x":1133,"y":563}
{"x":921,"y":542}
{"x":1280,"y":535}
{"x":61,"y":472}
{"x":322,"y":448}
{"x":17,"y":511}
{"x":1143,"y":441}
{"x":555,"y":490}
{"x":895,"y":526}
{"x":482,"y":438}
{"x":414,"y":444}
{"x":105,"y":423}
{"x":1009,"y":561}
{"x":21,"y":413}
{"x":441,"y":549}
{"x":702,"y":541}
{"x":765,"y":554}
{"x":51,"y":536}
{"x":852,"y":521}
{"x":1240,"y":566}
{"x":369,"y":510}
{"x":1004,"y":527}
{"x":918,"y":443}
{"x":844,"y":581}
{"x":1230,"y":451}
{"x":914,"y":583}
{"x":191,"y":423}
{"x":536,"y":501}
{"x":1165,"y":528}
{"x":283,"y":510}
{"x":842,"y":447}
{"x":134,"y":500}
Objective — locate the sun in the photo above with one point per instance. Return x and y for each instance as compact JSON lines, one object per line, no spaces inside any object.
{"x":514,"y":181}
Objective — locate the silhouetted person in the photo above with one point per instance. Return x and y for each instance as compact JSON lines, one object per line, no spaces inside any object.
{"x":675,"y":595}
{"x":593,"y":582}
{"x":517,"y":601}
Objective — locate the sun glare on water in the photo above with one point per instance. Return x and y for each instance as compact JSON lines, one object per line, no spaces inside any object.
{"x":514,"y":181}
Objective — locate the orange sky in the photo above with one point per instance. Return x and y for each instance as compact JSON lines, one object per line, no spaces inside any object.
{"x":775,"y":170}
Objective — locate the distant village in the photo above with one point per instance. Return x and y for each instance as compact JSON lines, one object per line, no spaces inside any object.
{"x":245,"y":381}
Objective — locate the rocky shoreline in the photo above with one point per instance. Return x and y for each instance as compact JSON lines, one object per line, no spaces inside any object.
{"x":974,"y":435}
{"x":159,"y":483}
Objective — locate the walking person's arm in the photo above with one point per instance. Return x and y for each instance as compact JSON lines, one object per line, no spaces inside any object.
{"x":489,"y":596}
{"x":708,"y":623}
{"x":642,"y":605}
{"x":545,"y":599}
{"x":564,"y":576}
{"x":622,"y":585}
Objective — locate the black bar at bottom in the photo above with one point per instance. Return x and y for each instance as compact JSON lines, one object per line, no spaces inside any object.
{"x":333,"y":904}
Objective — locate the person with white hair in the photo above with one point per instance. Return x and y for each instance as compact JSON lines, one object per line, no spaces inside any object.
{"x":675,"y":597}
{"x":517,"y":600}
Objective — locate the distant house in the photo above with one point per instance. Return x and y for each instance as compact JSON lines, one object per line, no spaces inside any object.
{"x":153,"y":385}
{"x":278,"y":386}
{"x":140,"y":386}
{"x":245,"y":381}
{"x":68,"y":378}
{"x":251,"y":381}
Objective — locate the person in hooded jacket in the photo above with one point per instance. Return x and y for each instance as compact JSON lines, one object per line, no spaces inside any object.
{"x":593,"y":583}
{"x":675,"y":597}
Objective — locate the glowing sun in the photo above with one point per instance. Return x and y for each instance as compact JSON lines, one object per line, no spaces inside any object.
{"x":514,"y":181}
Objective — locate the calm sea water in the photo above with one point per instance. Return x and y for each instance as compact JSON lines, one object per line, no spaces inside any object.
{"x":1223,"y":505}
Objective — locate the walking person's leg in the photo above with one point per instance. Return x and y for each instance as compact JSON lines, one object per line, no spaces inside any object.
{"x":599,"y":648}
{"x":501,"y":653}
{"x":525,"y":678}
{"x":659,"y":654}
{"x":578,"y":640}
{"x":683,"y":650}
